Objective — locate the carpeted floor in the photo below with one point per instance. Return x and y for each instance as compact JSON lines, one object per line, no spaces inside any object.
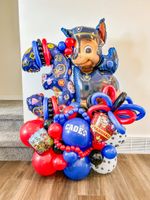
{"x":11,"y":119}
{"x":9,"y":109}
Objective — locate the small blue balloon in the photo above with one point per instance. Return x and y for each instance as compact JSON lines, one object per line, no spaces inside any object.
{"x":61,"y":46}
{"x":79,"y":170}
{"x":75,"y":104}
{"x":70,"y":157}
{"x":109,"y":152}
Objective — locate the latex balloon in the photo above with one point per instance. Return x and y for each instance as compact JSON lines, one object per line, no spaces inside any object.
{"x":109,"y":152}
{"x":76,"y":132}
{"x":79,"y":170}
{"x":110,"y":91}
{"x":103,"y":96}
{"x":119,"y":101}
{"x":75,"y":104}
{"x":57,"y":150}
{"x":47,"y":123}
{"x":48,"y":163}
{"x":59,"y":163}
{"x":96,"y":157}
{"x":68,"y":51}
{"x":121,"y":129}
{"x":55,"y":131}
{"x":43,"y":164}
{"x":107,"y":166}
{"x":61,"y":46}
{"x":98,"y":145}
{"x":28,"y":129}
{"x":116,"y":139}
{"x":46,"y":52}
{"x":68,"y":108}
{"x":70,"y":157}
{"x":36,"y":54}
{"x":70,"y":42}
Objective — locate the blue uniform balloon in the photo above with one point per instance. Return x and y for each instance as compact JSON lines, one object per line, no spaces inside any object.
{"x":109,"y":152}
{"x":79,"y":170}
{"x":76,"y":132}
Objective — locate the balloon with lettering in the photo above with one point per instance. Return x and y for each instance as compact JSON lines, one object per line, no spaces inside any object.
{"x":80,"y":124}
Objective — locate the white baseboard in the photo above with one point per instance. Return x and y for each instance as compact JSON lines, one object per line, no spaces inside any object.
{"x":136,"y":145}
{"x":11,"y":97}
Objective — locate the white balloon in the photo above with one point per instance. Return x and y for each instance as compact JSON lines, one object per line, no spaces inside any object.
{"x":116,"y":139}
{"x":107,"y":166}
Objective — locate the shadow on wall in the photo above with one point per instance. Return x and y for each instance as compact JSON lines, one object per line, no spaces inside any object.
{"x":133,"y":75}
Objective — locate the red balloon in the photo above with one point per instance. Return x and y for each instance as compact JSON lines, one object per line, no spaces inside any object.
{"x":55,"y":131}
{"x":110,"y":91}
{"x":98,"y":145}
{"x":48,"y":163}
{"x":43,"y":164}
{"x":70,"y":42}
{"x":68,"y":51}
{"x":66,"y":111}
{"x":28,"y":129}
{"x":130,"y":116}
{"x":58,"y":162}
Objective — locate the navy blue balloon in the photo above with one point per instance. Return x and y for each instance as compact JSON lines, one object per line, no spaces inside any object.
{"x":76,"y":132}
{"x":79,"y":170}
{"x":61,"y":46}
{"x":70,"y":157}
{"x":109,"y":152}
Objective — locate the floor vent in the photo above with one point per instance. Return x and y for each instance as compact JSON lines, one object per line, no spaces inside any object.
{"x":139,"y":145}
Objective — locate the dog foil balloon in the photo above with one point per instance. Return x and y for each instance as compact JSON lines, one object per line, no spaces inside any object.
{"x":80,"y":127}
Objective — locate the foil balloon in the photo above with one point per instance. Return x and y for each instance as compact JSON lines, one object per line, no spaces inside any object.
{"x":80,"y":126}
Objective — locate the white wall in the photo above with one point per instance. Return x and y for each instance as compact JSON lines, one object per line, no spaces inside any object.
{"x":128,"y":30}
{"x":10,"y":66}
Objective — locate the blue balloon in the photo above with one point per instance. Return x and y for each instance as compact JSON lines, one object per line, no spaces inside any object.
{"x":103,"y":96}
{"x":135,"y":108}
{"x":109,"y":152}
{"x":76,"y":132}
{"x":61,"y":46}
{"x":75,"y":104}
{"x":116,"y":123}
{"x":36,"y":54}
{"x":70,"y":157}
{"x":45,"y":108}
{"x":79,"y":170}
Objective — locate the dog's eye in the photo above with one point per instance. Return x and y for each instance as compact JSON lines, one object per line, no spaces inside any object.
{"x":88,"y":49}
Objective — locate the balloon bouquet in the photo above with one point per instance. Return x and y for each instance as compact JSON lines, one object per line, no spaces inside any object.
{"x":80,"y":127}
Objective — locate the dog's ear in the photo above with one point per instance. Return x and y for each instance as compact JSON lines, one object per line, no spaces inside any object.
{"x":66,"y":32}
{"x":101,"y":27}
